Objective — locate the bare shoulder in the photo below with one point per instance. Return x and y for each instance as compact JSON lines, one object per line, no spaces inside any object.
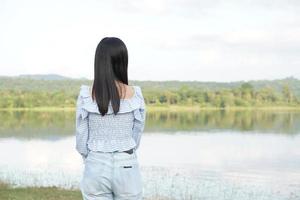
{"x":130,"y":91}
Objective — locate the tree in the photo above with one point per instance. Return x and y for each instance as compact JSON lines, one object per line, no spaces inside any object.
{"x":287,"y":93}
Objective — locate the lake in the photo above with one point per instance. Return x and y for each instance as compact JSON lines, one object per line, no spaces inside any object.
{"x":211,"y":155}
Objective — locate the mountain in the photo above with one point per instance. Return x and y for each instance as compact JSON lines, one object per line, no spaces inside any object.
{"x":43,"y":76}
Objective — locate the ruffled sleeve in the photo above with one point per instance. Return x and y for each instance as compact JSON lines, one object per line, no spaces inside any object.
{"x":82,"y":131}
{"x":139,"y":118}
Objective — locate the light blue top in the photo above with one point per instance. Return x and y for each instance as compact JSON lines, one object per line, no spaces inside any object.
{"x":110,"y":132}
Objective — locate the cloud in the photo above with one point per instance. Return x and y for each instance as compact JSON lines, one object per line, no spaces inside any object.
{"x":196,"y":37}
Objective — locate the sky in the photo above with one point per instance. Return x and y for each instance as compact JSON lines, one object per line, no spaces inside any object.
{"x":186,"y":40}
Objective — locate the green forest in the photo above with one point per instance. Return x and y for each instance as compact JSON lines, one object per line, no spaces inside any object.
{"x":31,"y":92}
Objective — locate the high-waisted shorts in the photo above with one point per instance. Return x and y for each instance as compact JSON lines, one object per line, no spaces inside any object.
{"x":111,"y":175}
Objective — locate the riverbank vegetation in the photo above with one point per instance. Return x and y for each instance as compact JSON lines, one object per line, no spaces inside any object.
{"x":62,"y":94}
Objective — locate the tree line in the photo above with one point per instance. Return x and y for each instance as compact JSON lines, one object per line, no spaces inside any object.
{"x":245,"y":95}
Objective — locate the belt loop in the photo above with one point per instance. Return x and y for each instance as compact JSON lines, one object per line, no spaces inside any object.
{"x":134,"y":154}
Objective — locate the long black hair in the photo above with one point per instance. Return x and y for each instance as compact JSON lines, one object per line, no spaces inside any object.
{"x":111,"y":64}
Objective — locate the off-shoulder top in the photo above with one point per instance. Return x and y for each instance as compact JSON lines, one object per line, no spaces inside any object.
{"x":110,"y":132}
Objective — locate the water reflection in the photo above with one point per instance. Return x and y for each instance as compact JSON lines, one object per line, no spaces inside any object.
{"x":286,"y":122}
{"x":242,"y":166}
{"x":206,"y":155}
{"x":53,"y":125}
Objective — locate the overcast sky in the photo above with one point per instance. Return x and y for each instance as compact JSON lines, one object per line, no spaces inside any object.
{"x":210,"y":40}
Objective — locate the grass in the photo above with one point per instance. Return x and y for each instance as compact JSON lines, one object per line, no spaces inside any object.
{"x":45,"y":193}
{"x":35,"y":193}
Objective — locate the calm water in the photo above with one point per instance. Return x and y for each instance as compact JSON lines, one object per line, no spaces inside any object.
{"x":207,"y":155}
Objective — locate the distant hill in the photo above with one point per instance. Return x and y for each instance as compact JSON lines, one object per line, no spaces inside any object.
{"x":55,"y":82}
{"x":276,"y":84}
{"x":43,"y":76}
{"x":51,"y":90}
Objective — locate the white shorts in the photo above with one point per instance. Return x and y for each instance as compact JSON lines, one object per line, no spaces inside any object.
{"x":111,"y":175}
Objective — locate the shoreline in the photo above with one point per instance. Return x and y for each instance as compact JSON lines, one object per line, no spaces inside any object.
{"x":171,"y":108}
{"x":46,"y":193}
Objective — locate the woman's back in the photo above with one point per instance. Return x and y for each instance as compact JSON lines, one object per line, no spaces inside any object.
{"x":110,"y":132}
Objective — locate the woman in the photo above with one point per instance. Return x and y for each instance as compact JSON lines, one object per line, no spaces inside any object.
{"x":110,"y":118}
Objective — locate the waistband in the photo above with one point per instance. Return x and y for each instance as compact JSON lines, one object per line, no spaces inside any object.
{"x":116,"y":157}
{"x":130,"y":152}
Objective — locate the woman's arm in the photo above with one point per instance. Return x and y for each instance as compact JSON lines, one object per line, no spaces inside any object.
{"x":139,"y":120}
{"x":82,"y":131}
